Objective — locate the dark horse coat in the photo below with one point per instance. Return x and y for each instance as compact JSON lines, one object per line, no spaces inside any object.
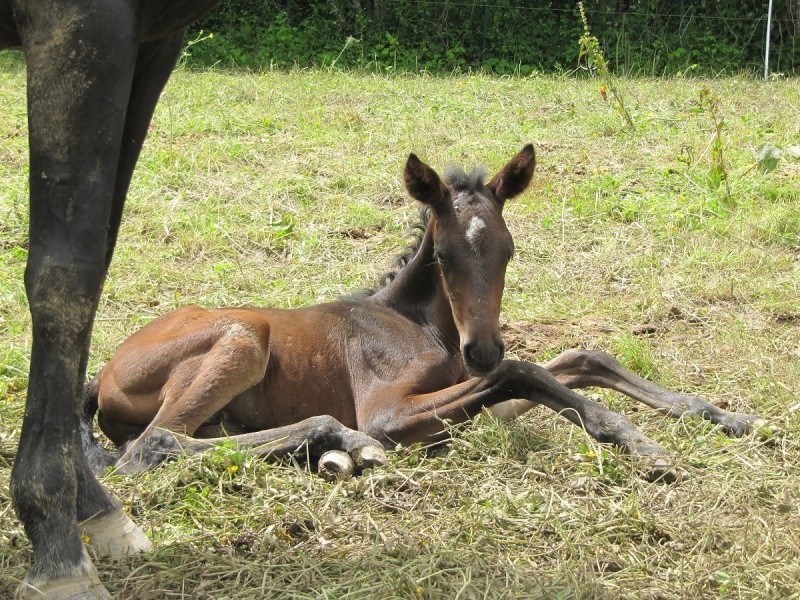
{"x":95,"y":71}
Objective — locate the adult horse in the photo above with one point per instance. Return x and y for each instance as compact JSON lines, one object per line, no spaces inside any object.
{"x":95,"y":72}
{"x":386,"y":367}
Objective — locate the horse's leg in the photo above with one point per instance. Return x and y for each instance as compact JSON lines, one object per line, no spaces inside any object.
{"x":109,"y":529}
{"x":588,"y":368}
{"x":80,"y":65}
{"x":418,"y":417}
{"x":579,"y":368}
{"x":340,"y":450}
{"x":154,"y":65}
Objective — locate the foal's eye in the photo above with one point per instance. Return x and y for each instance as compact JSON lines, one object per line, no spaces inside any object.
{"x":440,"y":258}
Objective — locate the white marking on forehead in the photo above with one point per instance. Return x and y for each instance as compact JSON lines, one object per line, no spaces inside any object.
{"x":476,"y":226}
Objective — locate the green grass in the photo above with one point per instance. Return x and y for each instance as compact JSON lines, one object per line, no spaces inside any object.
{"x":286,"y":189}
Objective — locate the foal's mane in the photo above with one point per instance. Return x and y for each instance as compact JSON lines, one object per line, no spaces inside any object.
{"x":458,"y":179}
{"x":415,"y":235}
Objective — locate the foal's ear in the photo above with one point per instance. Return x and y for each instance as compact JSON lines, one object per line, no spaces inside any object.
{"x":423,"y":183}
{"x":515,"y":176}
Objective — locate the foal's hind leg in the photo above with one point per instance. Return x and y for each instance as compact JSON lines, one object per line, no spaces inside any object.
{"x":201,"y":385}
{"x":588,"y":368}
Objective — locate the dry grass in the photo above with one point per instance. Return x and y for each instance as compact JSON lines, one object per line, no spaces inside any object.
{"x":285,"y":189}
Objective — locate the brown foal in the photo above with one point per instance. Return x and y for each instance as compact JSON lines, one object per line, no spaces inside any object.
{"x":363,"y":373}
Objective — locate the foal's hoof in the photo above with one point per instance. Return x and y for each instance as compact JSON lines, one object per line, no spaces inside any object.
{"x":739,"y":425}
{"x":335,"y":464}
{"x":659,"y":469}
{"x":114,"y":534}
{"x":369,"y":457}
{"x":83,"y":586}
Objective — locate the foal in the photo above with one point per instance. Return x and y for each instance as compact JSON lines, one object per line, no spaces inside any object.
{"x":363,"y":373}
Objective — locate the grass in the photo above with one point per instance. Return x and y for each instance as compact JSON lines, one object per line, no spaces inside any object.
{"x":285,"y":189}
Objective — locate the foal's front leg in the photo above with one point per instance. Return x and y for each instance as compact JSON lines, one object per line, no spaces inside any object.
{"x":339,"y":450}
{"x":580,"y":368}
{"x":418,"y":417}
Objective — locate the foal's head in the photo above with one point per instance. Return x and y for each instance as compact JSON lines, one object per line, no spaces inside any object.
{"x":472,"y":247}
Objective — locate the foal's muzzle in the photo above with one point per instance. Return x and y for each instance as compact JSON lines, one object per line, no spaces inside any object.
{"x":482,"y":358}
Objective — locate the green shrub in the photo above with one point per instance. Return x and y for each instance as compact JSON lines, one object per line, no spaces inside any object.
{"x":650,"y":37}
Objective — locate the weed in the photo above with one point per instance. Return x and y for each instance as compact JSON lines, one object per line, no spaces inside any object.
{"x":347,"y":43}
{"x":186,"y":53}
{"x":718,"y":173}
{"x":596,"y":63}
{"x":767,"y":157}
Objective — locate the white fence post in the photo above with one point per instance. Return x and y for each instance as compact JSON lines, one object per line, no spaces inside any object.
{"x":766,"y":52}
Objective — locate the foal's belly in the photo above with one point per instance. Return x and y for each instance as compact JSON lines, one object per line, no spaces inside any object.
{"x":256,"y":410}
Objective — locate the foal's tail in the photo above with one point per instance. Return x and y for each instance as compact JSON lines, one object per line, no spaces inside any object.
{"x":98,"y":458}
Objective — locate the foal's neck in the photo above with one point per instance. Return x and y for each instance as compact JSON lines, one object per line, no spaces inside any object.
{"x":417,"y":292}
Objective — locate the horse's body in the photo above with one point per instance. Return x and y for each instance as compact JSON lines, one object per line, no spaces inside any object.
{"x":370,"y":370}
{"x":95,"y":72}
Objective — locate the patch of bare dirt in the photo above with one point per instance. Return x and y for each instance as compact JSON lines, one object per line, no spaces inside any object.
{"x":529,"y":341}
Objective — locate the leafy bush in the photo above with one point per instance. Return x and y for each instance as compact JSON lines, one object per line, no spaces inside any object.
{"x":650,"y":37}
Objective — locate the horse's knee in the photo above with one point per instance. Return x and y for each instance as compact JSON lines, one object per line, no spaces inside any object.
{"x":587,"y":361}
{"x":579,"y":367}
{"x":62,"y":293}
{"x":515,"y":378}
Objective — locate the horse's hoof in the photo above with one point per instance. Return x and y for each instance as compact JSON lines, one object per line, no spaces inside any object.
{"x":369,"y":457}
{"x":114,"y":534}
{"x":73,"y":588}
{"x":659,"y":469}
{"x":739,"y":425}
{"x":762,"y":430}
{"x":82,"y":586}
{"x":336,"y":464}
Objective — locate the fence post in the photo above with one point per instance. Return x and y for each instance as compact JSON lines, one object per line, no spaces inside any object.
{"x":766,"y":51}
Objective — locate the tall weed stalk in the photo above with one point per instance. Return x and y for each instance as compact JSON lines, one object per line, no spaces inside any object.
{"x":591,"y":52}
